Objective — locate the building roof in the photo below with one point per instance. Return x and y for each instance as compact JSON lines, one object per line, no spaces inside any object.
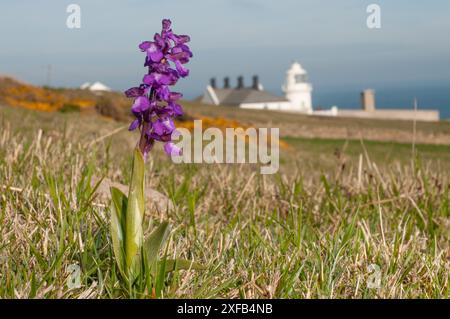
{"x":97,"y":86}
{"x":246,"y":95}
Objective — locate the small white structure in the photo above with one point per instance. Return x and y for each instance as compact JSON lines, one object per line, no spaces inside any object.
{"x":96,"y":87}
{"x":85,"y":86}
{"x":331,"y":112}
{"x":298,"y":89}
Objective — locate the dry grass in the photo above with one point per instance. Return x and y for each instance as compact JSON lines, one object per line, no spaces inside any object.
{"x":310,"y":231}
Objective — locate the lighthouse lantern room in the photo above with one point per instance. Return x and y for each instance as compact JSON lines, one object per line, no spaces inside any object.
{"x":298,"y":89}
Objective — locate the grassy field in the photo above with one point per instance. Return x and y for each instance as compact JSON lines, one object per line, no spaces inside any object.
{"x":345,"y":210}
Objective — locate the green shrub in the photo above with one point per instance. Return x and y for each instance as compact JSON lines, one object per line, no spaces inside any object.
{"x":110,"y":108}
{"x":69,"y":108}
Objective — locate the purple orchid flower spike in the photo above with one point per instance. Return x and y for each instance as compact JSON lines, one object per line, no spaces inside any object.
{"x":155,"y":106}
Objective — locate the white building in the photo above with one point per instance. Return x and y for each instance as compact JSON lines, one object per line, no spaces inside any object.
{"x":253,"y":97}
{"x":297,"y":99}
{"x":96,"y":87}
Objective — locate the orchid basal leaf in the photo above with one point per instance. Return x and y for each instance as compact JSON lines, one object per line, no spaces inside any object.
{"x":135,"y":214}
{"x":118,"y":212}
{"x":154,"y":242}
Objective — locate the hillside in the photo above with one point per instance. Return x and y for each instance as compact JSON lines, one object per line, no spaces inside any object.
{"x":115,"y":105}
{"x":19,"y":94}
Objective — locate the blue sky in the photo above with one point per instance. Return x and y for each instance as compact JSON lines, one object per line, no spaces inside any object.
{"x":231,"y":38}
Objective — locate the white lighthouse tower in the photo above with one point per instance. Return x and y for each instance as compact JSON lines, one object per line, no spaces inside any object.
{"x":298,"y":89}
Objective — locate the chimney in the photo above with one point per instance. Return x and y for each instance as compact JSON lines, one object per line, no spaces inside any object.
{"x":240,"y":84}
{"x":255,"y":85}
{"x":226,"y":83}
{"x":212,"y":83}
{"x":368,"y":100}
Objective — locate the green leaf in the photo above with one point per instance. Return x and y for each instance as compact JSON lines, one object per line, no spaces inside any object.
{"x":118,"y":211}
{"x":135,"y":215}
{"x":161,"y":272}
{"x":154,"y":242}
{"x":182,"y":264}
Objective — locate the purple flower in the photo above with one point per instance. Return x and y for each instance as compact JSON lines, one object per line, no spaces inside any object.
{"x":163,"y":126}
{"x":172,"y":149}
{"x":163,"y":93}
{"x":180,"y":39}
{"x":158,"y":79}
{"x":154,"y":52}
{"x":134,"y":125}
{"x":182,"y":71}
{"x":154,"y":104}
{"x":166,"y":23}
{"x":141,"y":104}
{"x":144,"y":46}
{"x":135,"y":92}
{"x":175,"y":96}
{"x":176,"y":108}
